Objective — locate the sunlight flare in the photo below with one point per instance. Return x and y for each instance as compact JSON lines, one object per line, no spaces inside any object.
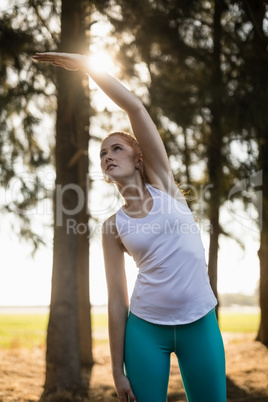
{"x":101,"y":61}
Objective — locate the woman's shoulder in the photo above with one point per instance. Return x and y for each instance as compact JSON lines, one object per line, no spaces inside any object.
{"x":110,"y":234}
{"x":170,"y":190}
{"x":109,"y":226}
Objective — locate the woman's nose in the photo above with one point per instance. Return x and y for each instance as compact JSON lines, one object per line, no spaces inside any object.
{"x":108,"y":157}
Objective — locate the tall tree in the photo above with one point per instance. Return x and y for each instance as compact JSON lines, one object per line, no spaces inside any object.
{"x":215,"y":147}
{"x":69,"y":343}
{"x":250,"y":110}
{"x":27,"y":98}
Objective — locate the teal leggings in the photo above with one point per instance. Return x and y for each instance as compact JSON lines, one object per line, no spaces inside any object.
{"x":200,"y":352}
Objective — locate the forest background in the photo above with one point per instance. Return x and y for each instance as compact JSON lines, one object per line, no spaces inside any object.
{"x":201,"y":69}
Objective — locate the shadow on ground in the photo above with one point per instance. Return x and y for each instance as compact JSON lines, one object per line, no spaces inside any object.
{"x":234,"y":393}
{"x":240,"y":394}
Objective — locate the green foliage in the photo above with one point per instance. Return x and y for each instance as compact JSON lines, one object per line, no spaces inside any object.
{"x":25,"y":96}
{"x":181,"y":47}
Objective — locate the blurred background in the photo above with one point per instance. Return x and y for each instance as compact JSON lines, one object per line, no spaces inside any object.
{"x":201,"y":69}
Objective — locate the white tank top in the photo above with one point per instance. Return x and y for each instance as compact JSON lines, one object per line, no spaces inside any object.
{"x":172,"y":285}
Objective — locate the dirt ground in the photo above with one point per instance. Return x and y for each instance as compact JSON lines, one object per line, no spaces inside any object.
{"x":22,"y":373}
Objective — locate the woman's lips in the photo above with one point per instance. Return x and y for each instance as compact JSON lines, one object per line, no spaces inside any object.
{"x":110,"y":167}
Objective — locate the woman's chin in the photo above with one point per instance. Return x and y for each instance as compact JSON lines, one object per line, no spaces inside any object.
{"x":110,"y":179}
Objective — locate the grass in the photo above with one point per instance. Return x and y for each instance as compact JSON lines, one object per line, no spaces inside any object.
{"x":29,"y":330}
{"x":22,"y":330}
{"x":239,"y":322}
{"x":99,"y":321}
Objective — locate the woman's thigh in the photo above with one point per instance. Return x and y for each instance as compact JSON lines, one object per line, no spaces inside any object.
{"x":200,"y":351}
{"x":147,"y":359}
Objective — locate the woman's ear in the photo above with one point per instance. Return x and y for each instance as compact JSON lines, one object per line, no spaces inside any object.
{"x":139,"y":162}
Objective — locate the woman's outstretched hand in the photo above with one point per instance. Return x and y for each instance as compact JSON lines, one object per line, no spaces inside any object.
{"x":69,"y":61}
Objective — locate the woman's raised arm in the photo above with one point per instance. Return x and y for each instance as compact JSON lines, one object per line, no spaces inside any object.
{"x":155,"y":158}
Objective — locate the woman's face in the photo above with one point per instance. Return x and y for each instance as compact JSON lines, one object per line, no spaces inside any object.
{"x":117,"y":159}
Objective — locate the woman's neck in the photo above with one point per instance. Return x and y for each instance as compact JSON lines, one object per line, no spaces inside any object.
{"x":132,"y":192}
{"x":138,"y":200}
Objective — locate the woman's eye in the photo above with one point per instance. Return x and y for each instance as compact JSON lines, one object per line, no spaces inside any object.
{"x":117,"y":147}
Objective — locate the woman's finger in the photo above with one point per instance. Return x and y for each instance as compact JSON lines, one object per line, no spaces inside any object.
{"x":131,"y":395}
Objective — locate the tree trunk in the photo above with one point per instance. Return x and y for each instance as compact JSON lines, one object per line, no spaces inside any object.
{"x":69,"y":343}
{"x":256,"y":10}
{"x":214,"y":147}
{"x":263,"y":251}
{"x":263,"y":256}
{"x":213,"y":247}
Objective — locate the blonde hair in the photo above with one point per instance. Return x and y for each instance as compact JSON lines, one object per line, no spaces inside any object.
{"x":131,"y":140}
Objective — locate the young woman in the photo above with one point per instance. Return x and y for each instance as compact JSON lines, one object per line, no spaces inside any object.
{"x":172,"y":305}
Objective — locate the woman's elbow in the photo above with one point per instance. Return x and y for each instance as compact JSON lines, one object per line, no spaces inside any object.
{"x":136,"y":106}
